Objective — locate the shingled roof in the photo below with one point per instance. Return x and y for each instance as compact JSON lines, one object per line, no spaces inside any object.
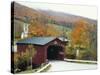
{"x":39,"y":40}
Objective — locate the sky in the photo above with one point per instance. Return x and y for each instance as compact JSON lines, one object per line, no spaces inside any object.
{"x":80,"y":10}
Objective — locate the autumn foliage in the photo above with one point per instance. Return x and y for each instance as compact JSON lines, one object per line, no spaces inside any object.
{"x":39,"y":28}
{"x":80,"y":35}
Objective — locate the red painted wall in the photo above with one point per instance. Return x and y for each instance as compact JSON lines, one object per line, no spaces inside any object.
{"x":22,"y":48}
{"x":41,"y":51}
{"x":40,"y":55}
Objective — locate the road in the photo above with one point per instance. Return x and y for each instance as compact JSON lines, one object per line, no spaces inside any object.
{"x":66,"y":66}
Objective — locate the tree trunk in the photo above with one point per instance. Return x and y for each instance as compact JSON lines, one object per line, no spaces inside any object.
{"x":77,"y":53}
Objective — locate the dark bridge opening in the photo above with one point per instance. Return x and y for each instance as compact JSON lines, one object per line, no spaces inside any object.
{"x":55,"y":52}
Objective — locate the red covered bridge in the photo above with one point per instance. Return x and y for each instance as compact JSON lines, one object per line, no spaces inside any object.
{"x":47,"y":48}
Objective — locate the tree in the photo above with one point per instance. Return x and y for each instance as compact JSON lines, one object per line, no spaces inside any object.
{"x":51,"y":30}
{"x":36,"y":28}
{"x":40,"y":28}
{"x":80,"y":36}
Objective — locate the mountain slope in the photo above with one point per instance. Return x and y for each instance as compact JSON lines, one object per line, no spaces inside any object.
{"x":21,"y":11}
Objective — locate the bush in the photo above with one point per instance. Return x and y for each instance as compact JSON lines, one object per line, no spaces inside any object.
{"x":94,"y":54}
{"x":23,"y":60}
{"x":22,"y":65}
{"x":16,"y":61}
{"x":70,"y":53}
{"x":70,"y":56}
{"x":87,"y":55}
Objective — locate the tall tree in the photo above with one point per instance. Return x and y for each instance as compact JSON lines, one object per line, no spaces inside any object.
{"x":80,"y":36}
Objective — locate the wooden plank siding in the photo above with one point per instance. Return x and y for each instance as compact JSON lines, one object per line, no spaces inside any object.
{"x":41,"y":51}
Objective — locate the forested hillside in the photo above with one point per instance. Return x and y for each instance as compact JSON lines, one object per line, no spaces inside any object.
{"x":81,"y":31}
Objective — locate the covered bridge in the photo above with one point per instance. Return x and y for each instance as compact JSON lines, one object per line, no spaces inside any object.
{"x":47,"y":48}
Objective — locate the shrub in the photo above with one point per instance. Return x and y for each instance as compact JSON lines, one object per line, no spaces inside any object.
{"x":23,"y":60}
{"x":86,"y":55}
{"x":70,"y":53}
{"x":94,"y":54}
{"x":16,"y":61}
{"x":22,"y":65}
{"x":70,"y":56}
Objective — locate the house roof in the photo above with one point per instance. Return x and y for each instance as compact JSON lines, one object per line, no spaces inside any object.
{"x":39,"y":40}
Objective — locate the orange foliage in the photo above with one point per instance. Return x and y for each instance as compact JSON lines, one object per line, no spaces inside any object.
{"x":38,"y":28}
{"x":79,"y":34}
